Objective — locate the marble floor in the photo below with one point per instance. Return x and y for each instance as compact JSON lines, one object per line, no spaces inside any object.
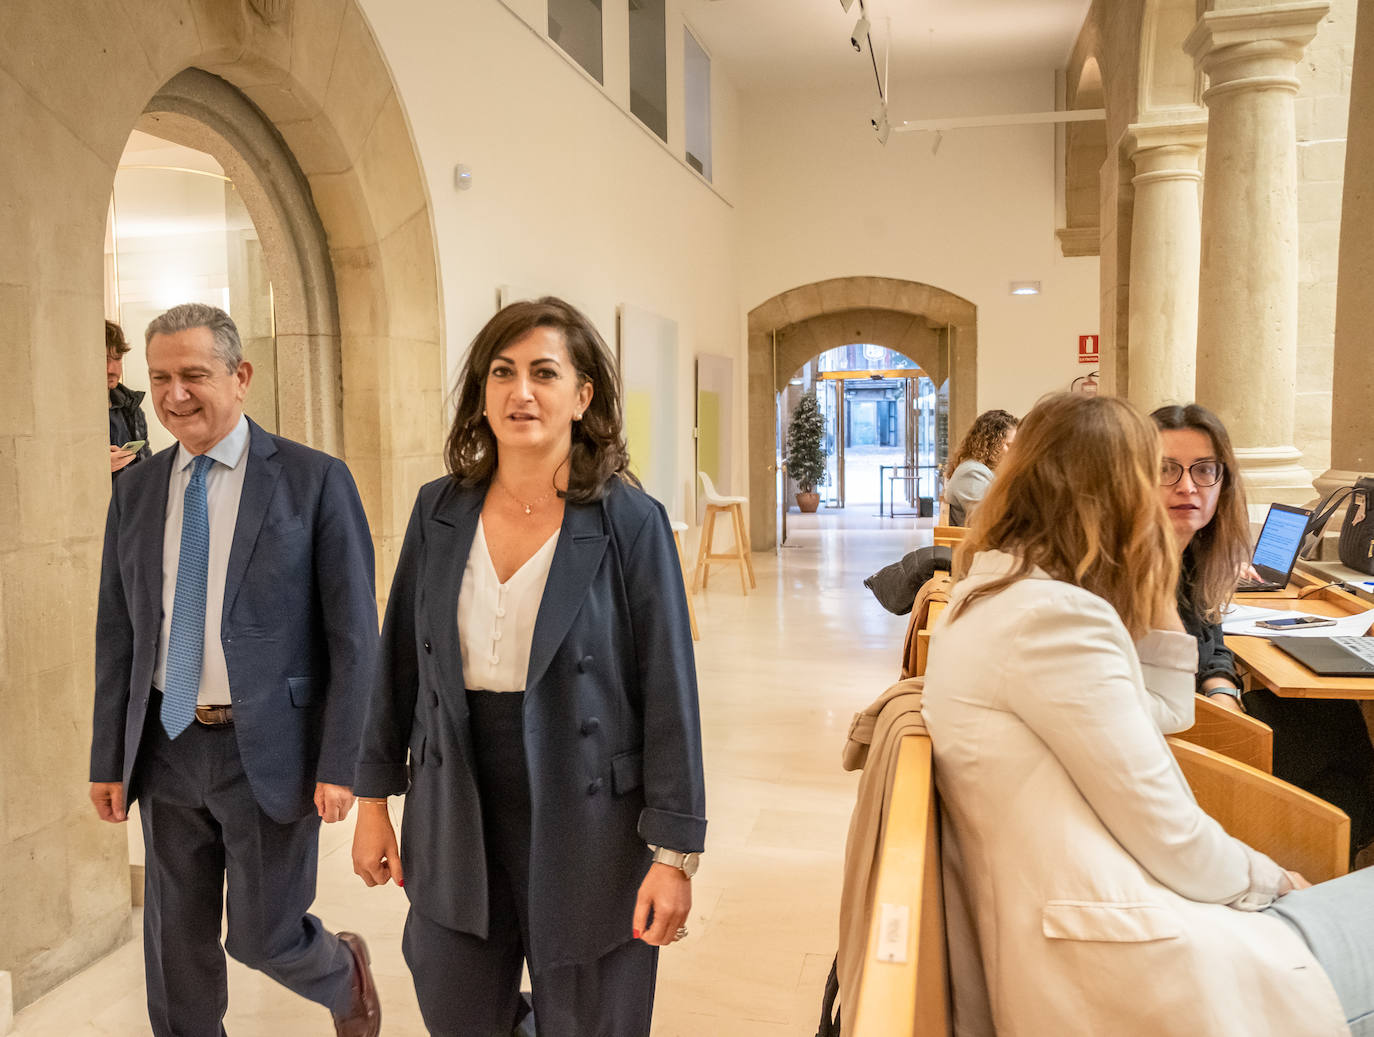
{"x":781,"y":673}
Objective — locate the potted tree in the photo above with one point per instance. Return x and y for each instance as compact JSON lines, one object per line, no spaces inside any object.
{"x":806,"y":451}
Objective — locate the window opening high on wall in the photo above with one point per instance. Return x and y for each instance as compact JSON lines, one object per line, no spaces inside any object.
{"x":696,"y":75}
{"x":649,"y":64}
{"x":575,"y":25}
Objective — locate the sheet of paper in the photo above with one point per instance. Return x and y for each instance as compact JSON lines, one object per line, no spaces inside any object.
{"x":1244,"y":624}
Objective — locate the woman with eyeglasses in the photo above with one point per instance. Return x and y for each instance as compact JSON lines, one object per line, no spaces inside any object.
{"x":1320,"y":745}
{"x":1205,"y":503}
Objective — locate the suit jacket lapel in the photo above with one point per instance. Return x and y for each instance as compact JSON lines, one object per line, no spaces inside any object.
{"x":259,"y":480}
{"x":149,"y":517}
{"x":449,"y":530}
{"x":576,"y":559}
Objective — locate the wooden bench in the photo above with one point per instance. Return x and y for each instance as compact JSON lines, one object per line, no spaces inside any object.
{"x":949,"y":536}
{"x":1295,"y":828}
{"x":908,"y":997}
{"x":932,"y":600}
{"x":904,"y":988}
{"x":1232,"y":734}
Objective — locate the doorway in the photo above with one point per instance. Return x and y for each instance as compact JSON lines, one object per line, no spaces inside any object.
{"x":179,"y":231}
{"x":882,"y":419}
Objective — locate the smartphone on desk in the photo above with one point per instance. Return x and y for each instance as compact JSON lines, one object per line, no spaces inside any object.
{"x":1296,"y":623}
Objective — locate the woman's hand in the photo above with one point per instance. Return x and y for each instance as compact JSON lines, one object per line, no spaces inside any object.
{"x":669,"y":893}
{"x":1295,"y":881}
{"x":376,"y":855}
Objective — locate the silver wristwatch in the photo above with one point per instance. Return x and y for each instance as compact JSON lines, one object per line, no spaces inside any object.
{"x":687,"y":862}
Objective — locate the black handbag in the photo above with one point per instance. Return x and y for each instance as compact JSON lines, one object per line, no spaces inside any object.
{"x":1356,"y":543}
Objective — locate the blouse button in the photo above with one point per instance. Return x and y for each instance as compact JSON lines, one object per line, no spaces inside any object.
{"x":496,"y":635}
{"x":500,"y":613}
{"x":495,"y":658}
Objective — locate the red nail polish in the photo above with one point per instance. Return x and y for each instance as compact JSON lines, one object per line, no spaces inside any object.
{"x":401,"y":883}
{"x":636,"y":933}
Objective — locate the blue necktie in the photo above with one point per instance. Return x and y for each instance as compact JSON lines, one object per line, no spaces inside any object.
{"x":186,"y":646}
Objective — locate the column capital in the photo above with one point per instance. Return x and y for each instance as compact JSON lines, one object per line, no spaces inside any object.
{"x":1254,"y":47}
{"x":1188,"y":133}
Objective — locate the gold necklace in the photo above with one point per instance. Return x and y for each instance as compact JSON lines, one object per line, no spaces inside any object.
{"x":528,"y":507}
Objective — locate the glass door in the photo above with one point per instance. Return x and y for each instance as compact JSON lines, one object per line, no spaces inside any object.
{"x":830,"y":396}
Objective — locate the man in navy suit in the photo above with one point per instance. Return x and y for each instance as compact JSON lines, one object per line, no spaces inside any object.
{"x":237,"y":631}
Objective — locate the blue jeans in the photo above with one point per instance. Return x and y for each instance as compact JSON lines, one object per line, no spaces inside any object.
{"x":1336,"y":919}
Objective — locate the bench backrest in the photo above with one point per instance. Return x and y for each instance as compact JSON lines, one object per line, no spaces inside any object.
{"x":1295,"y":828}
{"x":907,"y":997}
{"x":1232,"y":734}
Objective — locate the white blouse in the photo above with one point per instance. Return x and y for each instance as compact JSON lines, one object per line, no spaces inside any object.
{"x":496,"y":620}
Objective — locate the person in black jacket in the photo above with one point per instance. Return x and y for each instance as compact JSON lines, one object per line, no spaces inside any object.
{"x":536,"y":704}
{"x":127,"y":423}
{"x":1321,"y":745}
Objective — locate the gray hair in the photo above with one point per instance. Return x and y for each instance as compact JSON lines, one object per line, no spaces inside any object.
{"x":228,"y":348}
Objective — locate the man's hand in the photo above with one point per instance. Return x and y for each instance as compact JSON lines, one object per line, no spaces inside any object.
{"x":669,"y":892}
{"x":108,"y":797}
{"x":120,"y":458}
{"x":332,"y":802}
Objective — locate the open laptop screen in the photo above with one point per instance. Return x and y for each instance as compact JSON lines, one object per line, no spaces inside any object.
{"x":1279,"y":540}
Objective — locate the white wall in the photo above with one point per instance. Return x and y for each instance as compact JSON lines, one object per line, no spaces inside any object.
{"x":821,"y":198}
{"x":571,"y":195}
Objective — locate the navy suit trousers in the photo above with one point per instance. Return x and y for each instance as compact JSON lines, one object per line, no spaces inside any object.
{"x":469,"y":987}
{"x":201,"y":826}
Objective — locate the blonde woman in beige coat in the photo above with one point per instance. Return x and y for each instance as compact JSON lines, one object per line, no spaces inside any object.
{"x":1087,"y":893}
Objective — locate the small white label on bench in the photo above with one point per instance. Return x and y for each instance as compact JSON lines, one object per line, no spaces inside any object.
{"x":894,"y":921}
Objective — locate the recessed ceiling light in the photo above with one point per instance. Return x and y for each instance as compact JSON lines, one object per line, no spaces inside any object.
{"x":1025,"y":288}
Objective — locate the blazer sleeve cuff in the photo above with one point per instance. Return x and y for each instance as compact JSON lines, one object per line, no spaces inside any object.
{"x":375,"y":780}
{"x":1266,"y":879}
{"x":682,"y":832}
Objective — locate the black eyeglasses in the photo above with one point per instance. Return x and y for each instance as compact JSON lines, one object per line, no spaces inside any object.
{"x":1203,"y":473}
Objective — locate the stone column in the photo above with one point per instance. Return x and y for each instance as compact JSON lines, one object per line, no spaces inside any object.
{"x":1166,"y":236}
{"x":1352,"y":384}
{"x":1248,"y":287}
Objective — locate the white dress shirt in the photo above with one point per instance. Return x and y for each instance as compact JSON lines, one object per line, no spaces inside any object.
{"x":496,"y":620}
{"x":223,"y":489}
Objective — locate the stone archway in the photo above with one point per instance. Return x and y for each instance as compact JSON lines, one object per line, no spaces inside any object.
{"x":75,"y":79}
{"x":934,"y":327}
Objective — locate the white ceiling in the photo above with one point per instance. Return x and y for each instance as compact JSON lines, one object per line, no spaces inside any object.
{"x":791,"y":43}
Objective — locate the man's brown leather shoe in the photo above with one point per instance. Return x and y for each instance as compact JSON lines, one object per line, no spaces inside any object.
{"x":364,"y":1017}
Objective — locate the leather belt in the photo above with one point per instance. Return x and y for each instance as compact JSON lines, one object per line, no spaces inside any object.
{"x":214,"y":716}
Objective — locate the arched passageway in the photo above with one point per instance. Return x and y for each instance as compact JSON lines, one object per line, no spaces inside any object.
{"x":934,"y":327}
{"x":359,"y":327}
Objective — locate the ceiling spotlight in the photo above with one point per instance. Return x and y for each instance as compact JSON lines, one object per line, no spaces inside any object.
{"x":846,"y":4}
{"x":859,"y":34}
{"x":1025,"y":288}
{"x":878,"y":120}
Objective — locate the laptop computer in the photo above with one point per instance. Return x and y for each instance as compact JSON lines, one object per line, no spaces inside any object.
{"x":1331,"y":656}
{"x":1277,"y":547}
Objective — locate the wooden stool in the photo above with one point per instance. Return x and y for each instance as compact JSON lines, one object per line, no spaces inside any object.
{"x":734,"y":507}
{"x":678,"y":529}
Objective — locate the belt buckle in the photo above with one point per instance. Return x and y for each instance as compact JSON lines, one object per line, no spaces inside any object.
{"x":214,"y":716}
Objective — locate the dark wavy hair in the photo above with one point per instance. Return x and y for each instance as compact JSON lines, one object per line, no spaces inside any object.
{"x":1218,"y":550}
{"x":983,"y":441}
{"x":116,"y":345}
{"x":598,"y":451}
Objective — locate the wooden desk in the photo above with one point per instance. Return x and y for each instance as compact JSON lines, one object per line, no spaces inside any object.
{"x":1280,"y":672}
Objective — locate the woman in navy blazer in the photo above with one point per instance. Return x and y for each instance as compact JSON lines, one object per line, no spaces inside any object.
{"x":560,"y":824}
